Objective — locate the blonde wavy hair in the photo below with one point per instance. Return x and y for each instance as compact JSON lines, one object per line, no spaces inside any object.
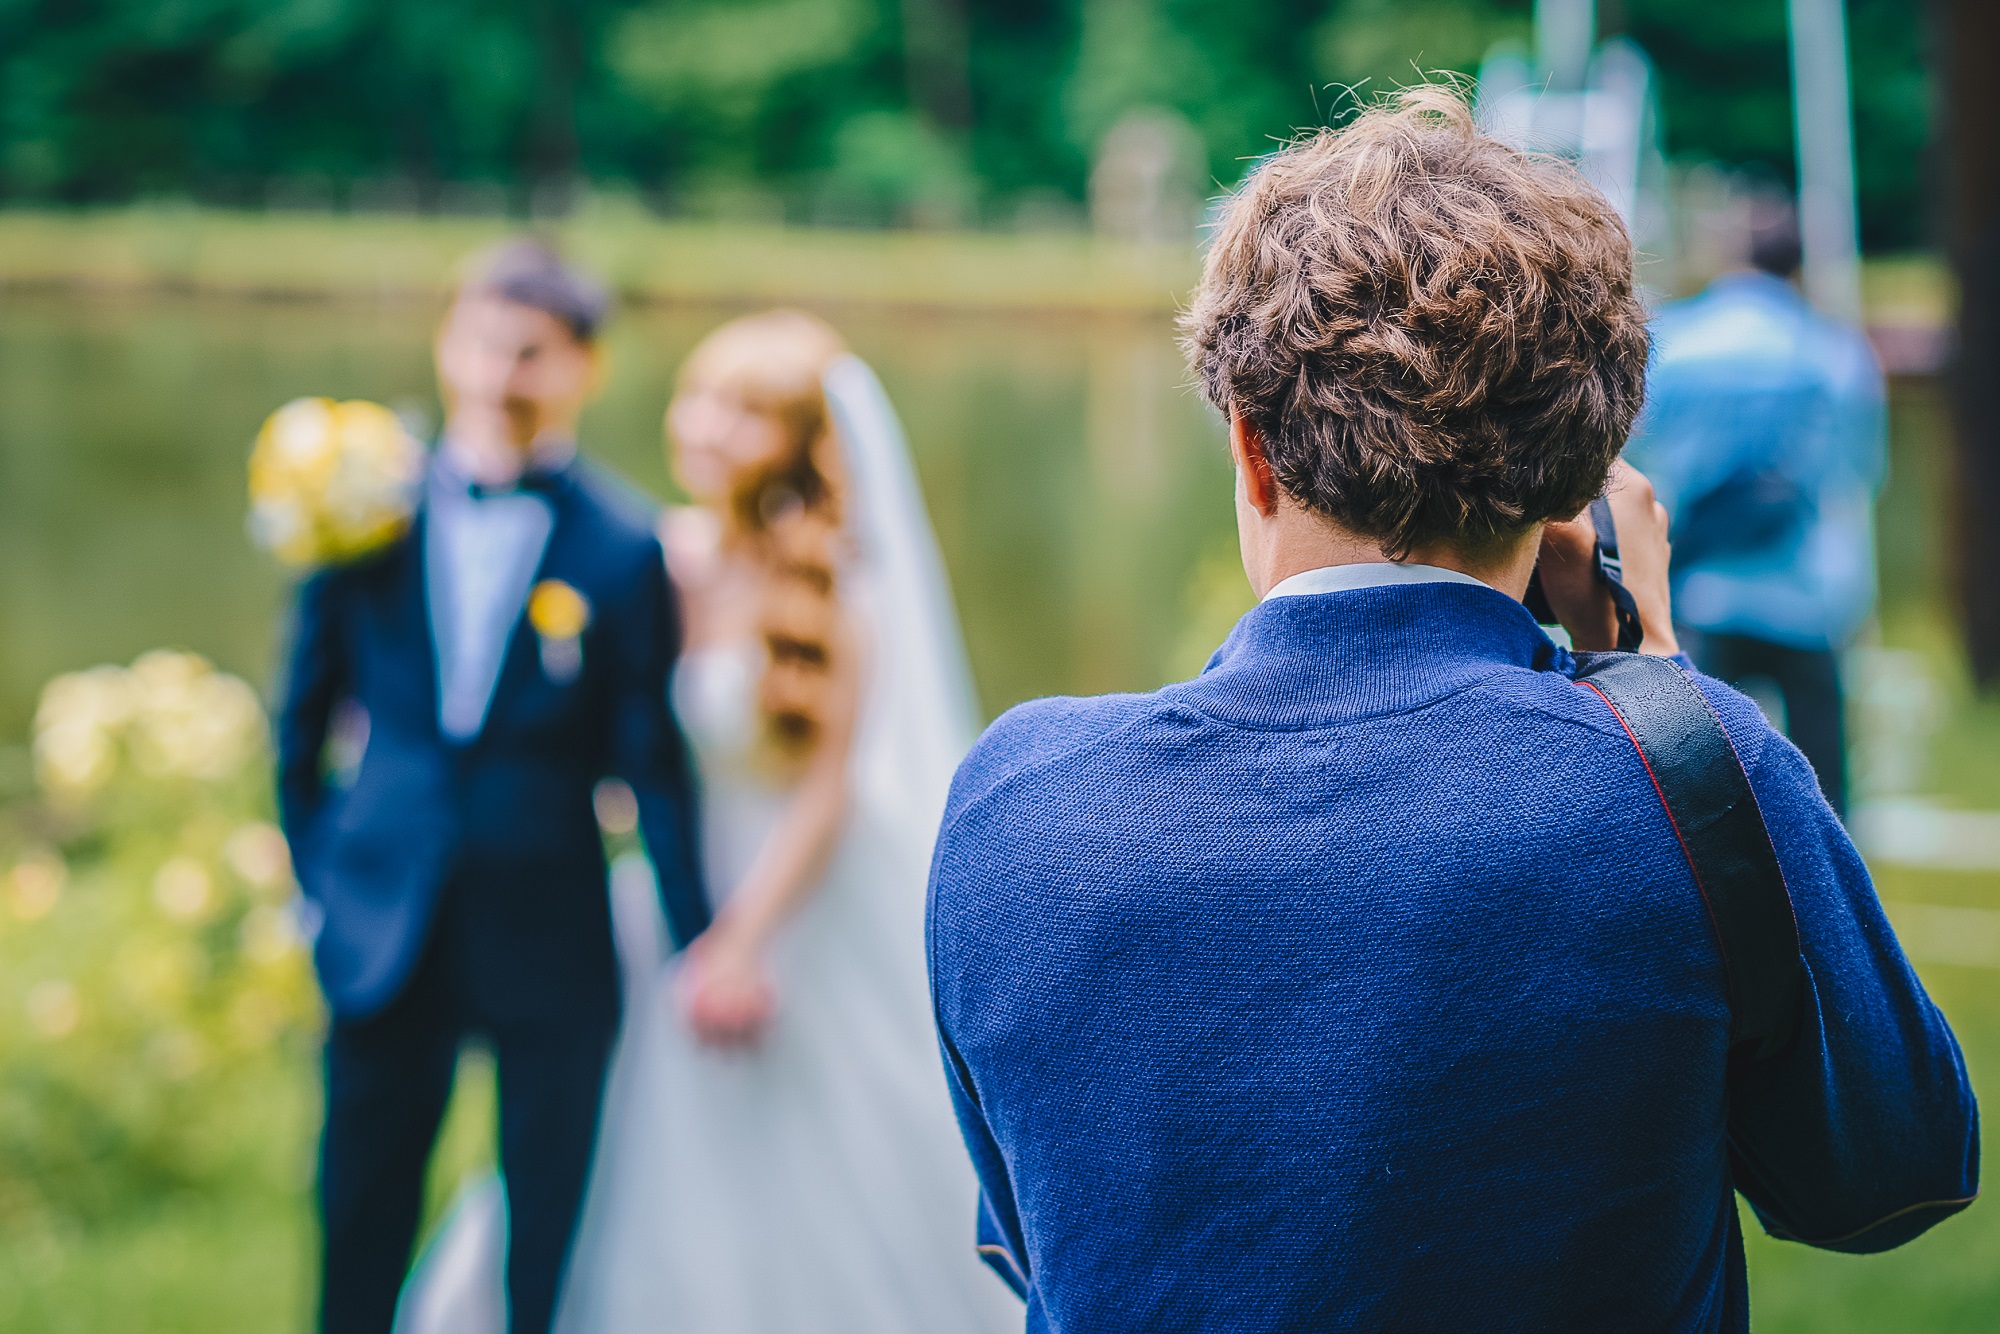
{"x":788,"y":515}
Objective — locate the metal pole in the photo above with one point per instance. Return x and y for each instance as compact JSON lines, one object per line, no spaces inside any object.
{"x":1565,"y":33}
{"x":1825,"y":123}
{"x":1968,"y":53}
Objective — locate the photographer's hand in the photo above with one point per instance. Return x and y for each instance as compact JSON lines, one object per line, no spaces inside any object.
{"x":1569,"y":569}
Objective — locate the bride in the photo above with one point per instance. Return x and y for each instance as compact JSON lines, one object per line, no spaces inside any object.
{"x":777,"y":1152}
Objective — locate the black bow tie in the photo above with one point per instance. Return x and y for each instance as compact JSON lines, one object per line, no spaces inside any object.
{"x":538,"y":481}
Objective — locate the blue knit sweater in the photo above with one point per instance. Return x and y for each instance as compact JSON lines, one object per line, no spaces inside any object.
{"x":1360,"y":984}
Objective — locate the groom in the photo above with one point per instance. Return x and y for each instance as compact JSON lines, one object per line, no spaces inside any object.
{"x":1361,"y":983}
{"x":490,"y":667}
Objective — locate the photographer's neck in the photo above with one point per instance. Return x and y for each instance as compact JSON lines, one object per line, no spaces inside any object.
{"x":1279,"y":537}
{"x":1292,"y":543}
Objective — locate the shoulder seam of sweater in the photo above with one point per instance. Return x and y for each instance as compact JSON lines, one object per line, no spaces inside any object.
{"x":1606,"y":727}
{"x":1428,"y":704}
{"x":1160,"y":702}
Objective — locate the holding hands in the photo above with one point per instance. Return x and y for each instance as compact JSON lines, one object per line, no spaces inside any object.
{"x":725,"y":989}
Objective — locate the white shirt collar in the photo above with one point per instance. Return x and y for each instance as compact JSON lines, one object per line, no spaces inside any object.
{"x":1368,"y":574}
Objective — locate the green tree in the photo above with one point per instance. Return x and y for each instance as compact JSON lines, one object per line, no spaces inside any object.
{"x":870,"y":111}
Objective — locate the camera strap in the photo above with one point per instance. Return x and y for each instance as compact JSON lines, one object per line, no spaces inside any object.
{"x":1701,"y":783}
{"x":1610,"y":573}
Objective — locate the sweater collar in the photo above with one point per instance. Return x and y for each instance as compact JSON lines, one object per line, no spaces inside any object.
{"x":1323,"y":658}
{"x":1366,"y":574}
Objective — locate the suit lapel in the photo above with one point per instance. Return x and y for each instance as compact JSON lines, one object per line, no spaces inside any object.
{"x":520,"y":664}
{"x":413,"y":609}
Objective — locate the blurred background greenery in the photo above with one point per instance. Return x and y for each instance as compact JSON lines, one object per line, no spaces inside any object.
{"x":930,"y":174}
{"x":935,"y":112}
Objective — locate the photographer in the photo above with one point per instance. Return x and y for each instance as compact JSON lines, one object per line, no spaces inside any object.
{"x":1365,"y":981}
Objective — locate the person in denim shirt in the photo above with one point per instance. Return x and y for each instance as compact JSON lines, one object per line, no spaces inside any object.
{"x":1764,"y":435}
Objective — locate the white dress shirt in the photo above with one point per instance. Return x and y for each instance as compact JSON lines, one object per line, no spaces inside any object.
{"x":480,"y":558}
{"x":1367,"y":574}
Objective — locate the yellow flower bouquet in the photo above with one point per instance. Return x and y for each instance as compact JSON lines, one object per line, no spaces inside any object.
{"x":331,"y":482}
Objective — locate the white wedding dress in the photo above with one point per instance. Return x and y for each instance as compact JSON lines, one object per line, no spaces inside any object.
{"x":816,"y":1183}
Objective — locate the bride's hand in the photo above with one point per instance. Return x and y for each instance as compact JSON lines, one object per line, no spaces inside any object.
{"x":726,"y":991}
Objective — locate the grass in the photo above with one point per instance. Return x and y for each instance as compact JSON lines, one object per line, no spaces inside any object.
{"x":307,"y":254}
{"x":180,"y":247}
{"x":237,"y":1258}
{"x":236,"y":1262}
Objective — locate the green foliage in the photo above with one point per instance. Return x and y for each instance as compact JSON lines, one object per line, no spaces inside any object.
{"x":720,"y":69}
{"x":151,"y":983}
{"x":1726,"y":81}
{"x":870,"y":111}
{"x":1372,"y":45}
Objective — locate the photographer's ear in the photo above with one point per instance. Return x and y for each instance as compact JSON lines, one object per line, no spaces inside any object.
{"x":1253,"y":466}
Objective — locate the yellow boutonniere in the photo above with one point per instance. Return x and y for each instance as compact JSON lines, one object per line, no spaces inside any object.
{"x":557,"y":610}
{"x":559,"y":615}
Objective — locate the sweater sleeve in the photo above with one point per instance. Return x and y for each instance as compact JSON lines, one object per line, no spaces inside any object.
{"x":997,"y":1234}
{"x":997,"y":1231}
{"x":1862,"y":1133}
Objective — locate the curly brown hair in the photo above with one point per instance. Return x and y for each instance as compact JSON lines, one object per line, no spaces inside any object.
{"x":1435,"y":335}
{"x":788,"y":516}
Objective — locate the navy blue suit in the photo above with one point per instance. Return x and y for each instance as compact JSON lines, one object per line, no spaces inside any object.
{"x":461,"y":886}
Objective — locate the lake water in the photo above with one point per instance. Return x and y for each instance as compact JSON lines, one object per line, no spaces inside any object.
{"x":1079,"y":489}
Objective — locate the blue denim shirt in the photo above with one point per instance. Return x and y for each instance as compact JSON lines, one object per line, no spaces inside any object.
{"x":1764,"y":432}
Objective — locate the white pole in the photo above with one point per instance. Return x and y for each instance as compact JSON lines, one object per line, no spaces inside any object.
{"x":1825,"y":124}
{"x":1565,"y":33}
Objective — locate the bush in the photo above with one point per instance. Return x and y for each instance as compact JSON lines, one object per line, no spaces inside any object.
{"x":157,"y":1009}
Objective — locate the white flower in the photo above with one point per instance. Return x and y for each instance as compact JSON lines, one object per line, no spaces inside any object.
{"x":35,"y":884}
{"x":78,"y":724}
{"x":54,"y":1009}
{"x":183,"y":889}
{"x":172,"y":713}
{"x":191,"y":721}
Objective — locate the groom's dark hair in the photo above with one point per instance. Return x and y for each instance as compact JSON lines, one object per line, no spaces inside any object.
{"x":529,"y":272}
{"x":1435,"y":334}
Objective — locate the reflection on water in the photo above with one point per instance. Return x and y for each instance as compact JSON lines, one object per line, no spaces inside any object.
{"x":1076,"y":483}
